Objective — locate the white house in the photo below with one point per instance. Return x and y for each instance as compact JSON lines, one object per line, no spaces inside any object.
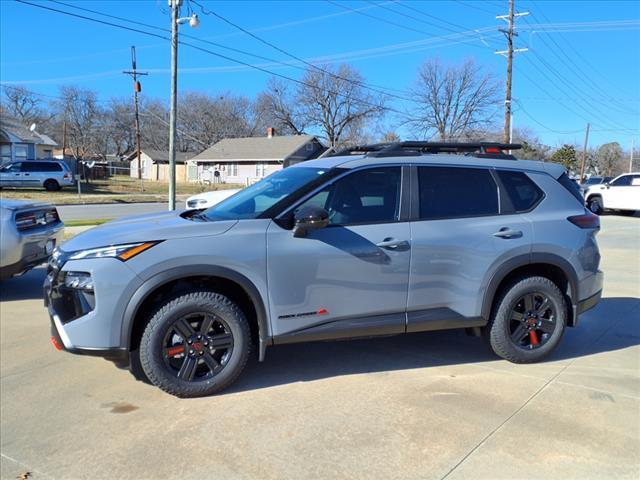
{"x":249,"y":159}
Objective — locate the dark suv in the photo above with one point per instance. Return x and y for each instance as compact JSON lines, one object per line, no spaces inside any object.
{"x":386,"y":239}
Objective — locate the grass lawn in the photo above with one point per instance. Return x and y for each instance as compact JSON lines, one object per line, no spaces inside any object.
{"x":116,"y":190}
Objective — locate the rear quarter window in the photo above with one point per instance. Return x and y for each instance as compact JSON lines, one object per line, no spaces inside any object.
{"x":571,"y":187}
{"x":522,"y":191}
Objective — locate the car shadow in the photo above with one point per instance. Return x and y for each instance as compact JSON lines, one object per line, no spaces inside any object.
{"x":604,"y":329}
{"x":24,"y":287}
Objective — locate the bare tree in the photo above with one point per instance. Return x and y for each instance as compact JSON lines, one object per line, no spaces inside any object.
{"x":154,"y":125}
{"x":26,"y":106}
{"x":276,"y":107}
{"x":390,"y":137}
{"x":452,"y":99}
{"x":85,"y":120}
{"x":331,"y":99}
{"x":334,"y":100}
{"x":119,"y":126}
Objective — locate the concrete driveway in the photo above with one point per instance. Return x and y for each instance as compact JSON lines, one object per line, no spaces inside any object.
{"x":423,"y":406}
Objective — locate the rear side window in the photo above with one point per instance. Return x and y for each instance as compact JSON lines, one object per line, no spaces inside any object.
{"x":571,"y":186}
{"x":456,"y":192}
{"x":522,"y":191}
{"x":41,"y":167}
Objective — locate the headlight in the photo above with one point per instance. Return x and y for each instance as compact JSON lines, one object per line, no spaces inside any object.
{"x":78,"y":280}
{"x":121,"y":252}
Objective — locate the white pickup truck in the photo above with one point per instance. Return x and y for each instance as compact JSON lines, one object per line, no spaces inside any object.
{"x":622,"y":193}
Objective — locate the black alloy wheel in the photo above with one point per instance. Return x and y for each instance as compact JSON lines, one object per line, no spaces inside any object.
{"x":197,"y":346}
{"x":532,"y":321}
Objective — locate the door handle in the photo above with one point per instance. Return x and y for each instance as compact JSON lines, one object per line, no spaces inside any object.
{"x":392,"y":243}
{"x":506,"y":232}
{"x":26,"y":174}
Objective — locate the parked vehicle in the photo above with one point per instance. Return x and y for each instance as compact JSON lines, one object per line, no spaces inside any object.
{"x":50,"y":174}
{"x":380,"y":240}
{"x":209,"y":199}
{"x":28,"y":234}
{"x":593,"y":180}
{"x":622,"y":193}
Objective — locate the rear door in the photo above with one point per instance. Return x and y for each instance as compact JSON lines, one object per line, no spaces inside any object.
{"x":462,"y":234}
{"x":350,"y":278}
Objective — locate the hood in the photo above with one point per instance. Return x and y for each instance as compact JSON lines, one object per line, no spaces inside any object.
{"x":145,"y":228}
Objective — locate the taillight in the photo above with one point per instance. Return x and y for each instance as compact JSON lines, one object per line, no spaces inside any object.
{"x":26,"y":221}
{"x":52,"y":216}
{"x":66,"y":176}
{"x":586,"y":220}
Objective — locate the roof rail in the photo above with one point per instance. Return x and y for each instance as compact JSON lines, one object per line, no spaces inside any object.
{"x":414,"y":148}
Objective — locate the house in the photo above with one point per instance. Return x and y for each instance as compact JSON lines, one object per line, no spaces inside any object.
{"x":155,"y":165}
{"x":247,"y":160}
{"x":20,"y":142}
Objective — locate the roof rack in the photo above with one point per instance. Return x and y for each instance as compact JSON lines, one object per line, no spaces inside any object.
{"x":415,"y":148}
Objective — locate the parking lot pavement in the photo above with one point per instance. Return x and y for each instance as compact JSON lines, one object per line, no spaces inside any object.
{"x":429,"y":405}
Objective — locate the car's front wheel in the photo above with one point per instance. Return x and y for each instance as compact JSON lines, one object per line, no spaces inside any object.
{"x":595,"y":205}
{"x":528,"y":320}
{"x":196,"y":344}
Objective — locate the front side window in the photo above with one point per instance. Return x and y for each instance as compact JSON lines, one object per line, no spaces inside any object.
{"x":362,"y":197}
{"x":14,"y":167}
{"x":447,"y":192}
{"x":623,"y":181}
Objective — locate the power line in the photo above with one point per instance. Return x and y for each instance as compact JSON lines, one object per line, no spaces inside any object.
{"x":474,"y":5}
{"x":216,"y":54}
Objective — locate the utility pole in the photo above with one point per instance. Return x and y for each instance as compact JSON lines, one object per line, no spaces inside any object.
{"x":137,"y":88}
{"x":631,"y":157}
{"x":175,"y":22}
{"x":584,"y":154}
{"x":508,"y":53}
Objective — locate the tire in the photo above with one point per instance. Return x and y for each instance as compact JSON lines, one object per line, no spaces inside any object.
{"x":167,"y":356}
{"x":510,"y":320}
{"x":595,"y":205}
{"x":51,"y":185}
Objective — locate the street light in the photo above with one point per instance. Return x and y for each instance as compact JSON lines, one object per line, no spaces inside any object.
{"x":194,"y":21}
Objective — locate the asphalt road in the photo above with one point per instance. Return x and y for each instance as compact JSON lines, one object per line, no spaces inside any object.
{"x":110,"y":210}
{"x":423,"y":406}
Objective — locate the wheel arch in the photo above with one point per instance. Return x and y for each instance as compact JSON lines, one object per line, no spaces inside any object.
{"x":547,"y":265}
{"x":134,"y":312}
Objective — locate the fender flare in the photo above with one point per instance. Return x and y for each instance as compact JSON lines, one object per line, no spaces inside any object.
{"x":150,"y":285}
{"x":530,"y":259}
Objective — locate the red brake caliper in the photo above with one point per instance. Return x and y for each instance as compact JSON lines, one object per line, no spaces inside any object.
{"x":533,"y":337}
{"x":177,"y":350}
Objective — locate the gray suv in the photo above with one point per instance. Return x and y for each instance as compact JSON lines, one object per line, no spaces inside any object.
{"x":378,"y":240}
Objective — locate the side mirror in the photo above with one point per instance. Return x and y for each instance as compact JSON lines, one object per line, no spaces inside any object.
{"x":606,"y":184}
{"x":309,"y":218}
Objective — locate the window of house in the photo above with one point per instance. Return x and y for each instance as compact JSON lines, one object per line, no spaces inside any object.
{"x":260,"y":169}
{"x":21,"y":152}
{"x":447,"y":192}
{"x":365,"y":196}
{"x":524,"y":194}
{"x":5,"y":153}
{"x":48,"y":153}
{"x":232,"y":170}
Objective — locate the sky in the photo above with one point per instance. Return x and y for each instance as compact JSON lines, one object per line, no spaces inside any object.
{"x":582,"y":64}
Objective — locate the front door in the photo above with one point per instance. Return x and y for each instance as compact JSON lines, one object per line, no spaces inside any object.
{"x":11,"y":176}
{"x":351,"y":277}
{"x":623,"y":193}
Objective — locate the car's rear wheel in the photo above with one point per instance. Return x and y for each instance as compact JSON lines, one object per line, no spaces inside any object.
{"x":196,"y":344}
{"x":528,"y":320}
{"x":51,"y":185}
{"x":595,"y":205}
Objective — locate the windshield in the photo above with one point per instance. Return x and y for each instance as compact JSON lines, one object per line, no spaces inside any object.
{"x":254,"y":200}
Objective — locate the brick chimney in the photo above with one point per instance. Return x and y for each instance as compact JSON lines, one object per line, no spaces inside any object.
{"x":271,"y":132}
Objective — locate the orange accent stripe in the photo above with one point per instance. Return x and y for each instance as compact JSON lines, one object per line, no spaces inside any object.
{"x":135,"y":251}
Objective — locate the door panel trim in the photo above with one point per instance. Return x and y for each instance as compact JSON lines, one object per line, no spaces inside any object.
{"x":352,"y":327}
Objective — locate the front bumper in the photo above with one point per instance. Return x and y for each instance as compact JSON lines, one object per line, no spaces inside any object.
{"x":93,"y":328}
